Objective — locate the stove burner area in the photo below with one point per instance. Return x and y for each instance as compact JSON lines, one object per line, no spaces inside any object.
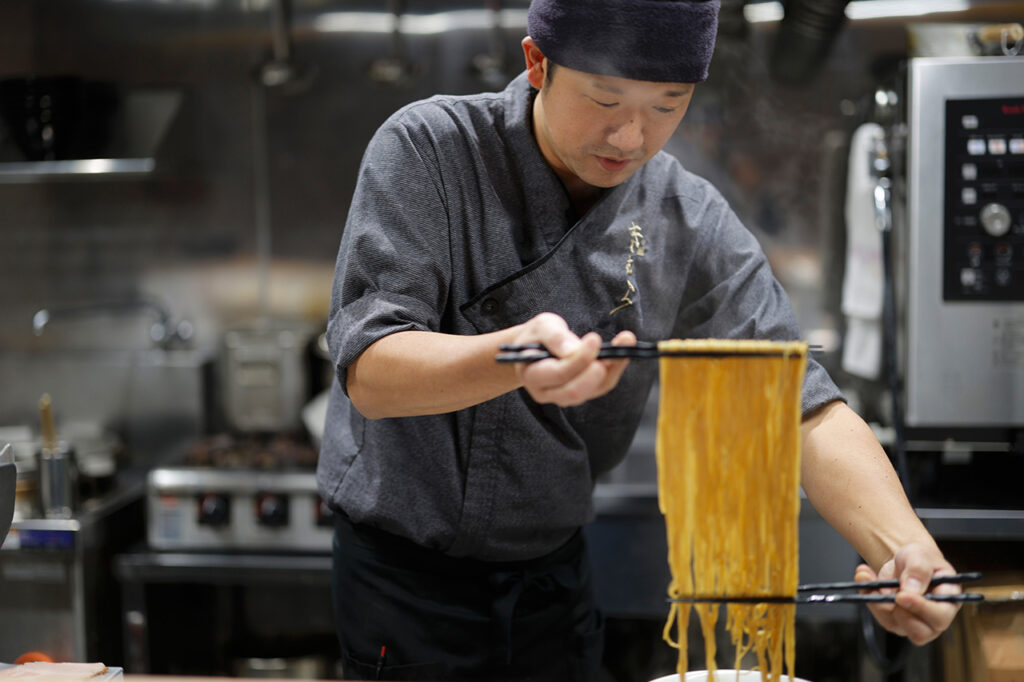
{"x":269,"y":453}
{"x":239,"y":494}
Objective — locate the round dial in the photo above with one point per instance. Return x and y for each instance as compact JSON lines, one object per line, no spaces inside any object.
{"x":271,"y":509}
{"x":214,"y":509}
{"x":995,"y":218}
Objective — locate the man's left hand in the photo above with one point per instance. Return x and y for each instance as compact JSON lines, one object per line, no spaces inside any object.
{"x":912,"y":615}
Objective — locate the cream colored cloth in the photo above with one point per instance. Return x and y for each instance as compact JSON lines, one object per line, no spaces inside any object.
{"x":863,"y":279}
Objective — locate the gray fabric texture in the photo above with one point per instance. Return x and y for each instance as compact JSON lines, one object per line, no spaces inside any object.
{"x":458,"y":225}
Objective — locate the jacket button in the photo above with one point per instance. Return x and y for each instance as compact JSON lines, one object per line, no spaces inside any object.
{"x":489,"y":306}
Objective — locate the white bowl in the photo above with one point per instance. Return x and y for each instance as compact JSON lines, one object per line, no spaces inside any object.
{"x":724,"y":676}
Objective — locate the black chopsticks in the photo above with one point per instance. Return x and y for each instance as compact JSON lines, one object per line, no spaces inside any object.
{"x":838,"y":597}
{"x":834,"y":598}
{"x":955,"y":578}
{"x":531,"y":352}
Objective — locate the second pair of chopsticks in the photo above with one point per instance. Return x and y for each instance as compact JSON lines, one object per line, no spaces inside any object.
{"x":837,"y":596}
{"x":532,"y":352}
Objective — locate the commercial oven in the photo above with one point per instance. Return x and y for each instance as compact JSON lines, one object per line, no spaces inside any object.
{"x":963,"y":279}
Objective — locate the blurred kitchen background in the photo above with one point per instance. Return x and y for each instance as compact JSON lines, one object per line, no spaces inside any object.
{"x":174,"y":180}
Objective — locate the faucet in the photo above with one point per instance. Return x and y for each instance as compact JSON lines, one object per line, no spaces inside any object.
{"x":165,"y":332}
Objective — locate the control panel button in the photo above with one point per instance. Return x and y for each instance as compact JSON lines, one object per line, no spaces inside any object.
{"x":271,"y":509}
{"x":974,"y":255}
{"x":997,"y":146}
{"x":976,"y":146}
{"x":1002,"y":277}
{"x":1017,"y":145}
{"x":995,"y":218}
{"x":969,"y":121}
{"x":969,"y":196}
{"x":214,"y":509}
{"x":969,"y":172}
{"x":969,"y":278}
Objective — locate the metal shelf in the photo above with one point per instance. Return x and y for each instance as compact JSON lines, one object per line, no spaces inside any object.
{"x":973,"y":524}
{"x":137,"y":130}
{"x":74,"y":169}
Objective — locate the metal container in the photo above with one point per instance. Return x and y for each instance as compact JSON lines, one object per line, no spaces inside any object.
{"x":8,"y":483}
{"x":58,"y":481}
{"x":264,"y":376}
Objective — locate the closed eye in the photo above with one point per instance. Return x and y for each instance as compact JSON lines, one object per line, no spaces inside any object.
{"x":606,"y":105}
{"x":664,"y":110}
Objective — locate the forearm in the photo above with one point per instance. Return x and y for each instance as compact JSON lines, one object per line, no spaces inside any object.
{"x":850,"y":481}
{"x":416,"y":373}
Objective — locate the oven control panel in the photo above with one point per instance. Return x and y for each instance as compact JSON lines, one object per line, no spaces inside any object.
{"x":983,"y":256}
{"x":194,"y":508}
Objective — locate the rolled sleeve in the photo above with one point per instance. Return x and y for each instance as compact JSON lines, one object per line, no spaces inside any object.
{"x":393,"y":271}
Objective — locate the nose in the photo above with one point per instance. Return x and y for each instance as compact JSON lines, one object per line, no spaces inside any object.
{"x":627,"y":136}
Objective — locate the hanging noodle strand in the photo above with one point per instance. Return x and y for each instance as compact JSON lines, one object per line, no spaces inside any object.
{"x":728,"y":456}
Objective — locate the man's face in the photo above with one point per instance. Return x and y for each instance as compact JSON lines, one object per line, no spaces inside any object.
{"x":599,"y":130}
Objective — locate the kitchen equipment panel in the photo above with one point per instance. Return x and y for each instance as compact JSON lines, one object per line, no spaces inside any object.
{"x":204,"y":509}
{"x":239,"y":493}
{"x":964,"y":269}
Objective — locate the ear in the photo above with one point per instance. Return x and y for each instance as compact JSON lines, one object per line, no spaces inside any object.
{"x":536,"y":63}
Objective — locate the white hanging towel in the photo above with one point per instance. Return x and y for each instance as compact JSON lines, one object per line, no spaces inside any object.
{"x":863,"y":279}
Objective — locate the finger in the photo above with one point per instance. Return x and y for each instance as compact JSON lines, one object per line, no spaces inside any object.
{"x":552,"y":332}
{"x":945,"y":588}
{"x":616,"y":367}
{"x":588,"y":384}
{"x":864,"y":574}
{"x":624,"y":338}
{"x":922,"y":619}
{"x":915,"y":567}
{"x":882,"y":612}
{"x":566,"y":380}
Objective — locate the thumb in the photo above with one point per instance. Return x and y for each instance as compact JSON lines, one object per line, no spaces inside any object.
{"x":914,"y":570}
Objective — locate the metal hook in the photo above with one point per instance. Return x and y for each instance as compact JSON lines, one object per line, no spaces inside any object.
{"x":1008,"y":51}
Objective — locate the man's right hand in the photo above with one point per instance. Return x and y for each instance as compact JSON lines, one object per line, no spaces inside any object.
{"x":575,"y":375}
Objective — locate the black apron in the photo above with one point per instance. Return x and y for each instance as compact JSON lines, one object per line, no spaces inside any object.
{"x":405,"y":612}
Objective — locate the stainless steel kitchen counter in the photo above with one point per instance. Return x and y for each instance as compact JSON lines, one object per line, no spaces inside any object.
{"x":57,"y":592}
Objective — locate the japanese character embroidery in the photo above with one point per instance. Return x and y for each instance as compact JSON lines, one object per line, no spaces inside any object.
{"x":637,"y":248}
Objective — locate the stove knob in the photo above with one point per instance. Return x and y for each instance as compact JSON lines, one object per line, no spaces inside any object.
{"x":214,"y":510}
{"x":995,"y":218}
{"x":271,"y":510}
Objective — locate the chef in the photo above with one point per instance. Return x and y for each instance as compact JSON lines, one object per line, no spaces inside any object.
{"x":547,"y":213}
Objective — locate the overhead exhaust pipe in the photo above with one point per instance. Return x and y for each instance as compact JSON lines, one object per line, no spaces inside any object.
{"x":806,"y":34}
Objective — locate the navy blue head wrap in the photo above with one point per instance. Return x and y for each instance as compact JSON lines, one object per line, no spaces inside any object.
{"x":649,"y":40}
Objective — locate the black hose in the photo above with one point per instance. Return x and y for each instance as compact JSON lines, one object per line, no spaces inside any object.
{"x":869,"y":632}
{"x":898,"y":450}
{"x":899,"y":447}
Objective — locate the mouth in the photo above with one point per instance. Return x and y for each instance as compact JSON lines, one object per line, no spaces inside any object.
{"x":612,"y":165}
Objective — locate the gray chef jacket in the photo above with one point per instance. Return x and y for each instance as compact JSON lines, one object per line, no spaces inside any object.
{"x":458,"y":225}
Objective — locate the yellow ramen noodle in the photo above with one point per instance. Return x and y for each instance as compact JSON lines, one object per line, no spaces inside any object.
{"x":728,"y":452}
